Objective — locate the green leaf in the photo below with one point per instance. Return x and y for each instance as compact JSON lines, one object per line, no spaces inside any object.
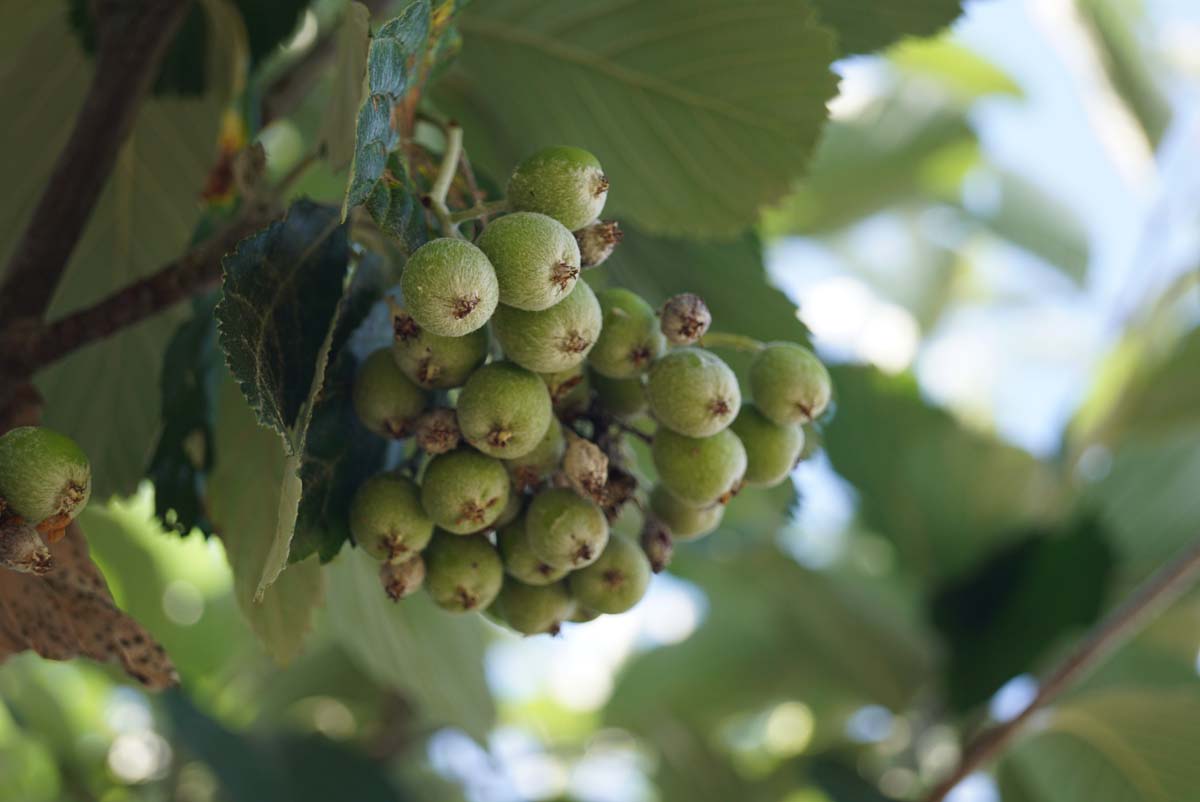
{"x":701,"y":112}
{"x":1001,"y":617}
{"x":254,"y":490}
{"x":392,"y":62}
{"x":349,"y":77}
{"x":145,"y":217}
{"x":1111,"y":746}
{"x":965,"y":73}
{"x":184,"y":454}
{"x":944,"y":495}
{"x":433,"y":657}
{"x":863,"y":26}
{"x":394,"y":206}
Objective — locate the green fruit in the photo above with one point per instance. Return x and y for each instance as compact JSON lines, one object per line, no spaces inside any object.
{"x":512,"y":508}
{"x":387,"y":519}
{"x":504,"y":410}
{"x":615,"y":582}
{"x":597,"y":240}
{"x":532,"y":469}
{"x":462,"y":573}
{"x":657,"y":544}
{"x":387,"y":403}
{"x":692,"y":392}
{"x":771,"y":450}
{"x":564,"y":529}
{"x":563,"y":182}
{"x":624,"y":399}
{"x":432,"y":361}
{"x":534,"y":610}
{"x":44,"y":476}
{"x":536,"y":259}
{"x":699,"y":470}
{"x":582,"y":614}
{"x":464,"y":491}
{"x":629,"y":339}
{"x":686,"y":522}
{"x":569,"y":391}
{"x":789,"y":383}
{"x":553,"y":339}
{"x":684,"y":318}
{"x":449,"y":287}
{"x":519,"y":560}
{"x":437,"y":431}
{"x":401,"y":579}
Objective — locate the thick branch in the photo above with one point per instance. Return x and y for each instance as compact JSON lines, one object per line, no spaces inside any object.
{"x":1155,"y":594}
{"x":132,"y":38}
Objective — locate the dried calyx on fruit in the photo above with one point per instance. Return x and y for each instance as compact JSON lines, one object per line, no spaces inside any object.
{"x":597,"y":241}
{"x":684,"y":318}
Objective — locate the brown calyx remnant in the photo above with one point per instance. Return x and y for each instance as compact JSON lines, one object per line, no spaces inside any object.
{"x":719,"y":407}
{"x":397,"y":429}
{"x":472,"y":512}
{"x":728,"y":495}
{"x":437,"y":431}
{"x":466,"y":598}
{"x":613,"y":578}
{"x":804,"y":409}
{"x":402,"y":579}
{"x":499,"y":436}
{"x":427,"y":371}
{"x":562,"y":274}
{"x":464,"y":305}
{"x":574,"y":343}
{"x":601,"y":185}
{"x":640,"y":355}
{"x":583,"y":554}
{"x":404,"y":328}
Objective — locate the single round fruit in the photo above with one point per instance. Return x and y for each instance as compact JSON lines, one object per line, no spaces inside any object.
{"x":624,"y":399}
{"x":684,"y":318}
{"x":534,"y":610}
{"x":387,"y":519}
{"x":789,"y":383}
{"x":685,"y":521}
{"x":597,"y":240}
{"x":432,"y":361}
{"x":657,"y":544}
{"x":437,"y":431}
{"x":564,"y":529}
{"x":520,"y":561}
{"x":386,"y":401}
{"x":629,"y":338}
{"x":44,"y":476}
{"x":462,"y":573}
{"x":464,"y":491}
{"x":615,"y":582}
{"x":569,"y":391}
{"x":771,"y":450}
{"x":563,"y":182}
{"x":693,"y":392}
{"x":504,"y":410}
{"x":401,"y":579}
{"x":536,"y":259}
{"x":449,"y":287}
{"x":699,"y":470}
{"x":532,"y":469}
{"x":553,"y":339}
{"x":512,"y":508}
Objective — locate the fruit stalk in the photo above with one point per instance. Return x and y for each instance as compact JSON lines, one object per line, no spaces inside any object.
{"x":445,"y":176}
{"x":734,"y":342}
{"x":481,"y":210}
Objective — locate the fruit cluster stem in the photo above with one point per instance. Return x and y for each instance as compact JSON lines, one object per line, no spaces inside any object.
{"x":482,"y":210}
{"x":445,"y":177}
{"x":736,"y":342}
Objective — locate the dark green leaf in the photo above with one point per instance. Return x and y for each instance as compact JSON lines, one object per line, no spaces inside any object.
{"x":392,"y":62}
{"x":282,"y":288}
{"x":394,"y":206}
{"x":701,"y":112}
{"x":863,"y":26}
{"x":1001,"y":617}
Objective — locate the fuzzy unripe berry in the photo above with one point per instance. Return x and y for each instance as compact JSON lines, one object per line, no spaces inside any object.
{"x":387,"y":519}
{"x":512,"y":508}
{"x":615,"y":582}
{"x":462,"y":573}
{"x":536,"y":259}
{"x":563,"y":182}
{"x":684,"y":318}
{"x":449,"y":287}
{"x":789,"y":383}
{"x":624,"y":399}
{"x":433,"y":361}
{"x":564,"y":529}
{"x":658,"y":544}
{"x":402,"y":579}
{"x":693,"y":392}
{"x":519,"y":559}
{"x":686,"y":521}
{"x":45,"y":477}
{"x":504,"y":410}
{"x":437,"y":431}
{"x":570,"y":391}
{"x":534,"y":609}
{"x":553,"y":339}
{"x":586,"y":467}
{"x":699,"y":470}
{"x":597,"y":241}
{"x":386,"y":401}
{"x":629,"y":337}
{"x":771,"y":450}
{"x":530,"y":470}
{"x":464,"y":491}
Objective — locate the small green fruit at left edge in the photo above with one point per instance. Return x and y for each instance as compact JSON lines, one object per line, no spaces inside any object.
{"x":44,"y":476}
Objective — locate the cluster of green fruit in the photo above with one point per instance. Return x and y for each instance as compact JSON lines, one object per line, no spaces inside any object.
{"x":522,"y":462}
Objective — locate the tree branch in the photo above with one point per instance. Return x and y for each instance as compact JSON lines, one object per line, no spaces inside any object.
{"x":132,"y":38}
{"x":1151,"y":598}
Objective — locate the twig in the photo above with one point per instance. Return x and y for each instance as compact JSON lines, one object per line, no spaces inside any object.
{"x":1154,"y":595}
{"x":645,"y":437}
{"x":132,"y":38}
{"x":445,"y":177}
{"x":479,"y":211}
